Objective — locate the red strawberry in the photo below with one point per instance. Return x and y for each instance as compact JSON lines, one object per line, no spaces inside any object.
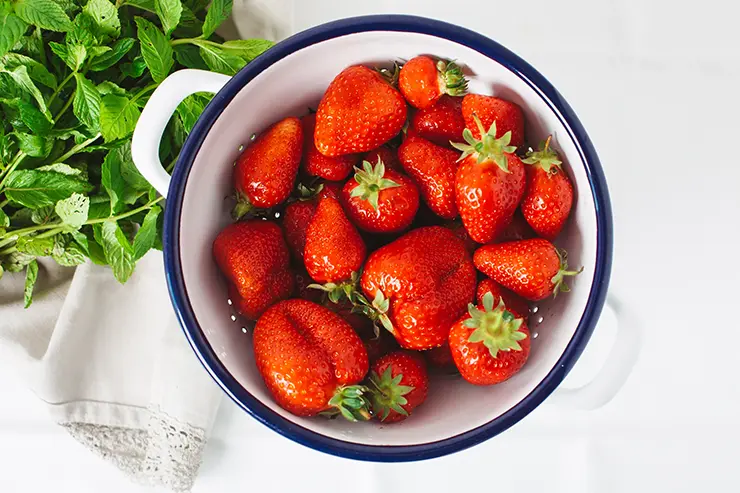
{"x":419,"y":285}
{"x":302,"y":281}
{"x":385,"y":154}
{"x":433,"y":167}
{"x":265,"y":172}
{"x":489,"y":183}
{"x":490,"y":344}
{"x":423,"y":81}
{"x":514,"y":303}
{"x":311,"y":360}
{"x":399,"y":384}
{"x":440,"y":123}
{"x":549,"y":194}
{"x":379,"y":346}
{"x":518,"y":229}
{"x":316,"y":164}
{"x":298,"y":215}
{"x":359,"y":112}
{"x":533,"y":269}
{"x":334,"y":248}
{"x":460,"y":231}
{"x":507,"y":115}
{"x":254,"y":258}
{"x":380,"y":200}
{"x":441,"y":356}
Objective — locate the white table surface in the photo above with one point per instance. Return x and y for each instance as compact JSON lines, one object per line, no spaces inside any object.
{"x":655,"y":84}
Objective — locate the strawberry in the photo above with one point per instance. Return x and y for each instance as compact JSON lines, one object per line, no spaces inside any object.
{"x":385,"y":154}
{"x":441,"y":123}
{"x":379,"y":346}
{"x":507,"y":115}
{"x":398,"y":384}
{"x":380,"y":200}
{"x":549,"y":194}
{"x":534,"y":269}
{"x":423,"y":81}
{"x":419,"y":285}
{"x":254,"y":258}
{"x":311,"y":360}
{"x":298,"y":215}
{"x":490,"y":344}
{"x":359,"y":112}
{"x":433,"y":167}
{"x":460,"y":231}
{"x":518,"y":229}
{"x":302,"y":282}
{"x":441,"y":357}
{"x":316,"y":164}
{"x":334,"y":248}
{"x":265,"y":172}
{"x":514,"y":303}
{"x":489,"y":183}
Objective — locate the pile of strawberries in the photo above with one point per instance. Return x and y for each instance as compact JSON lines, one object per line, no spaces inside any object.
{"x":369,"y":272}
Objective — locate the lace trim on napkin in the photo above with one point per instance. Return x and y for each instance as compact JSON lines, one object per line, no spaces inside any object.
{"x":167,"y":453}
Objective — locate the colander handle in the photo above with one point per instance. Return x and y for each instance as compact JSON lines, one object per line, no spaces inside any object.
{"x":158,"y":111}
{"x":617,"y":367}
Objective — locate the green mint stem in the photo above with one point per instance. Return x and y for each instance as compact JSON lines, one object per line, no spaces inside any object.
{"x":59,"y":88}
{"x":64,"y":108}
{"x":4,"y":203}
{"x":8,"y":250}
{"x":74,"y":150}
{"x":20,"y":155}
{"x":124,"y":215}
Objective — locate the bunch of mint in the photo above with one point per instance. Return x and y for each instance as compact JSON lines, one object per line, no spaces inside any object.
{"x":74,"y":75}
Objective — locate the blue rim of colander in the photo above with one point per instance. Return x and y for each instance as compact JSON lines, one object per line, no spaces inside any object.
{"x":300,"y":434}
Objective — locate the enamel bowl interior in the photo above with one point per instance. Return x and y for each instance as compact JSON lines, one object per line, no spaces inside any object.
{"x":289,"y":87}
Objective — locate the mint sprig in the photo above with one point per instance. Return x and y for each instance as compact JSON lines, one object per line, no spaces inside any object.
{"x":74,"y":76}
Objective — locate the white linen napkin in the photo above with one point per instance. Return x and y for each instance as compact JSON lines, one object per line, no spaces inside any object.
{"x":110,"y":363}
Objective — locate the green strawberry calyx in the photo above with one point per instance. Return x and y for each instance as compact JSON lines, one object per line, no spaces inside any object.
{"x":336,"y":292}
{"x":377,"y":311}
{"x":351,"y":402}
{"x":242,"y":207}
{"x":307,"y":192}
{"x":387,"y":393}
{"x":488,"y":147}
{"x":544,"y":158}
{"x":558,"y":280}
{"x":390,"y":74}
{"x":496,"y":327}
{"x":451,"y":78}
{"x":370,"y":181}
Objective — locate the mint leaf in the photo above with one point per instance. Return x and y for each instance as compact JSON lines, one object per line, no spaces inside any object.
{"x":169,"y":12}
{"x":248,"y":49}
{"x":110,"y":58}
{"x":147,"y":5}
{"x":42,"y":215}
{"x":83,"y":32}
{"x":32,"y":118}
{"x":12,"y":28}
{"x":38,"y":247}
{"x":86,"y":105}
{"x":155,"y":48}
{"x":191,"y":108}
{"x":118,"y":116}
{"x":62,"y":168}
{"x":220,"y":60}
{"x":67,"y":253}
{"x":34,"y":145}
{"x":116,"y":249}
{"x":46,"y":14}
{"x":36,"y":71}
{"x":20,"y":77}
{"x":73,"y":211}
{"x":105,"y":18}
{"x":146,"y":235}
{"x":190,"y":26}
{"x":108,"y":87}
{"x":219,"y":11}
{"x":134,"y":69}
{"x":189,"y":56}
{"x":113,"y":181}
{"x":16,"y":261}
{"x":4,"y":222}
{"x":35,"y":189}
{"x":32,"y":273}
{"x":73,"y":56}
{"x":130,"y":174}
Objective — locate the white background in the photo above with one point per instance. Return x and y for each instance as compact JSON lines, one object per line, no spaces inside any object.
{"x":655,"y":84}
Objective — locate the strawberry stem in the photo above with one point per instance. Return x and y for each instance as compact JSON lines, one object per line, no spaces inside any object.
{"x":451,"y":77}
{"x":387,"y":393}
{"x":497,"y":328}
{"x":351,"y":403}
{"x":558,"y":280}
{"x":336,"y":292}
{"x":370,"y":181}
{"x":488,"y":147}
{"x":544,"y":158}
{"x":242,"y":207}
